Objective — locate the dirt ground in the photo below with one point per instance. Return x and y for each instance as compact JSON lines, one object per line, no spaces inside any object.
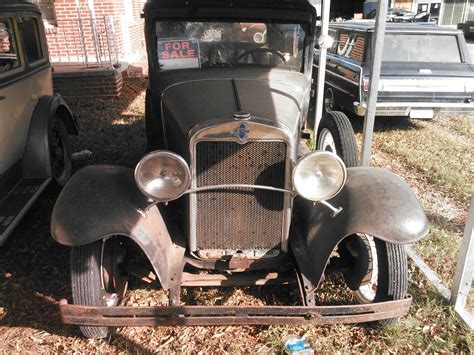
{"x":34,"y":270}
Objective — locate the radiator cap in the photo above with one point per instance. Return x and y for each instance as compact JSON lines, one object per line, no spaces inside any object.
{"x":242,"y":116}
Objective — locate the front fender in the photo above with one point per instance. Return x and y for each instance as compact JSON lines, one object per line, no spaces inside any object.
{"x":102,"y":201}
{"x":374,"y":201}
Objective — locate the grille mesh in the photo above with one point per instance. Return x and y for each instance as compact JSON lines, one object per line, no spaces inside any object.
{"x":242,"y":219}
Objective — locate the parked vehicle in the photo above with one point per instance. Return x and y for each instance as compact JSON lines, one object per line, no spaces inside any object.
{"x":426,"y":70}
{"x":34,"y":123}
{"x":467,"y":28}
{"x":227,"y":194}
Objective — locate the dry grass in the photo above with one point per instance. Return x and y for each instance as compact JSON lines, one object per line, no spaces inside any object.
{"x":34,"y":271}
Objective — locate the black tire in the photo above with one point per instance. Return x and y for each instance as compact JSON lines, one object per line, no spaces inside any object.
{"x":59,"y":151}
{"x":87,"y":282}
{"x":337,"y":125}
{"x":392,"y":276}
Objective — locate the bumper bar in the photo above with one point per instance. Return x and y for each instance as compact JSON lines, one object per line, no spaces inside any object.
{"x":404,"y":108}
{"x":223,"y":315}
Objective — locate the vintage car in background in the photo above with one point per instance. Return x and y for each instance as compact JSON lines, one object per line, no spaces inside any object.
{"x":34,"y":123}
{"x":228,"y":194}
{"x":426,"y":70}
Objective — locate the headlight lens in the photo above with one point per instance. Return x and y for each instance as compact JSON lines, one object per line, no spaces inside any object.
{"x":319,"y":176}
{"x":162,"y":175}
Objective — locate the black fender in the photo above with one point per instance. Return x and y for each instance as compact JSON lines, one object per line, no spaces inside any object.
{"x":374,"y":201}
{"x":101,"y":201}
{"x":36,"y":153}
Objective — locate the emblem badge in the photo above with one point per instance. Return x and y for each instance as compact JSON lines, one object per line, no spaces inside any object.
{"x":242,"y":132}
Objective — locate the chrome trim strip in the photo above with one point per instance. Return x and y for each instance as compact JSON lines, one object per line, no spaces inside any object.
{"x":260,"y":130}
{"x":239,"y":186}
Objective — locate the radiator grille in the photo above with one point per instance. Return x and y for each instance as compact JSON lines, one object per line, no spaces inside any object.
{"x":240,"y":219}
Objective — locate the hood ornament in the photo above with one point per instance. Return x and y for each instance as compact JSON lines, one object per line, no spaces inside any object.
{"x":241,"y":132}
{"x":242,"y":116}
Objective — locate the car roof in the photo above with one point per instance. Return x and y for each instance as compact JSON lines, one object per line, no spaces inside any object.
{"x":18,"y":5}
{"x":369,"y":26}
{"x":232,"y":3}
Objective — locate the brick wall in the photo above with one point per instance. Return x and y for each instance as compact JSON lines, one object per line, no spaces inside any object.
{"x":65,"y":39}
{"x":95,"y":83}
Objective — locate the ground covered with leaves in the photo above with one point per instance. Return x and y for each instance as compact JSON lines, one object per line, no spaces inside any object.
{"x":433,"y":157}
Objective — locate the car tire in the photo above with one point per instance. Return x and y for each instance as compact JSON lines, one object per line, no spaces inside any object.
{"x":94,"y":279}
{"x":335,"y":134}
{"x":389,"y":276}
{"x":59,"y":151}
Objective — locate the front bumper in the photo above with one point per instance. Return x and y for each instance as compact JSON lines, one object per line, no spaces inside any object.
{"x":223,"y":315}
{"x":410,"y":108}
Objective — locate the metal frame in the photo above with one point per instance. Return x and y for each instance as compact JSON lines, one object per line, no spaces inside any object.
{"x":464,"y":271}
{"x":224,"y":315}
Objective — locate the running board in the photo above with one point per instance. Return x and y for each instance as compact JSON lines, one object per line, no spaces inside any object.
{"x":18,"y":202}
{"x":223,"y":315}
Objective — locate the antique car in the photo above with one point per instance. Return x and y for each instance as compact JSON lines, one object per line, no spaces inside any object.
{"x":426,"y":70}
{"x":228,"y":194}
{"x":34,"y":123}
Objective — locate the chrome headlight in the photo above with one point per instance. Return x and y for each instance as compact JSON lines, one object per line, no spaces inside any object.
{"x":319,"y":176}
{"x":162,"y":175}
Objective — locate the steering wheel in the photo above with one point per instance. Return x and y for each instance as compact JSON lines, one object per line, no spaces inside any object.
{"x":261,"y":50}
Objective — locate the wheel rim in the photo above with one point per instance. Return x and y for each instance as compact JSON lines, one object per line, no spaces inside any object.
{"x":368,"y":289}
{"x":114,"y":284}
{"x":58,"y":153}
{"x":326,"y":141}
{"x":329,"y":101}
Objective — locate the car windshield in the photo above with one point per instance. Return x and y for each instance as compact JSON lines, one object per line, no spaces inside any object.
{"x":184,"y":44}
{"x":400,"y":47}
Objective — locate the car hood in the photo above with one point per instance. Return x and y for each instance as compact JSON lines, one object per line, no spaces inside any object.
{"x":195,"y":100}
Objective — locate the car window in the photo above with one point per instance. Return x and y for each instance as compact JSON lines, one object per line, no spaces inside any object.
{"x":206,"y":44}
{"x":407,"y":47}
{"x":9,"y":57}
{"x":33,"y":48}
{"x":351,"y":45}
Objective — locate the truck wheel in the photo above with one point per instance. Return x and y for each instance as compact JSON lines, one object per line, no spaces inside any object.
{"x":59,"y":151}
{"x":96,"y":279}
{"x":329,"y":101}
{"x":335,"y":134}
{"x":387,"y":277}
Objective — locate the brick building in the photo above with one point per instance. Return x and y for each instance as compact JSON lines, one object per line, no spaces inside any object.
{"x":91,"y":42}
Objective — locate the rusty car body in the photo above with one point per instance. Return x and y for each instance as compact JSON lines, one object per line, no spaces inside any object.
{"x":227,"y":194}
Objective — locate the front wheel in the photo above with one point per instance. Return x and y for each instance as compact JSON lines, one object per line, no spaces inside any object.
{"x":336,"y":135}
{"x":387,"y":274}
{"x":97,"y":278}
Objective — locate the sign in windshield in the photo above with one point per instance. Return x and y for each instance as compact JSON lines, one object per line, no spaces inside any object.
{"x":183,"y":45}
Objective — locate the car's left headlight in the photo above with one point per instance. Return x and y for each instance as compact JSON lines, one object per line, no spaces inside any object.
{"x":163,"y":175}
{"x":319,"y":176}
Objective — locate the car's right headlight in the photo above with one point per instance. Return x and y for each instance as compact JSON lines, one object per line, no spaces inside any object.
{"x":163,"y":175}
{"x":319,"y":176}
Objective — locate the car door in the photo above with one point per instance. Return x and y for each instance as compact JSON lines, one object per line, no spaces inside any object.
{"x":346,"y":67}
{"x":13,"y":94}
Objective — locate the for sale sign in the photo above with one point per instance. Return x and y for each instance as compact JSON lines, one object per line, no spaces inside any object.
{"x":178,"y":54}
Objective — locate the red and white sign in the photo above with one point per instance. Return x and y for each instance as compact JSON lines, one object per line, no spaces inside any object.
{"x":178,"y":54}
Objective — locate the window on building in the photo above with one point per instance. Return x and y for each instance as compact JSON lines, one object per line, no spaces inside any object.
{"x":9,"y":58}
{"x":47,"y":10}
{"x":33,"y":48}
